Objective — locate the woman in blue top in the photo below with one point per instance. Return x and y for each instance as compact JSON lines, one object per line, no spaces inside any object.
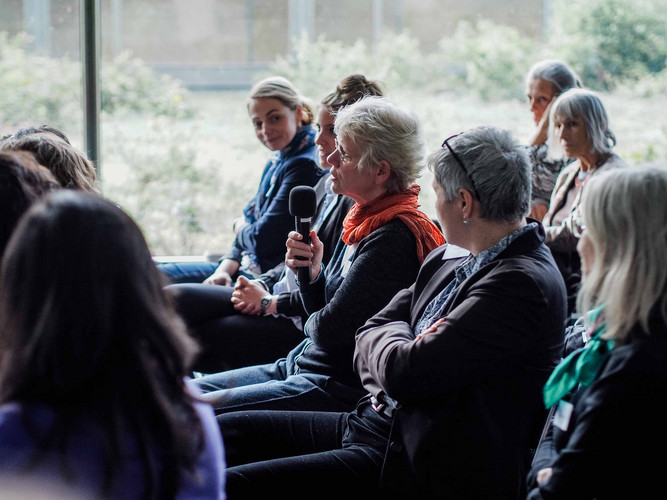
{"x":282,"y":121}
{"x":92,"y":389}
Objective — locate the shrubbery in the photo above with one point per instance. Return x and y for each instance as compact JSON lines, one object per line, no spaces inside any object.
{"x":39,"y":89}
{"x":612,"y":41}
{"x":184,"y":203}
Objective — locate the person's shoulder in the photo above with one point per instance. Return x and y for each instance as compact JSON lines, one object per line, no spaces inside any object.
{"x":394,"y":229}
{"x":614,"y":161}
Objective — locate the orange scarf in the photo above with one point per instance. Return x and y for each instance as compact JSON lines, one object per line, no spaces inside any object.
{"x":362,"y":220}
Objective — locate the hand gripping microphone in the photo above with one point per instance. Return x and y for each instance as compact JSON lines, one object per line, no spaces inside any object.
{"x":303,"y":205}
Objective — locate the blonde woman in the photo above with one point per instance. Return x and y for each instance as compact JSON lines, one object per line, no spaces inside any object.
{"x":281,"y":118}
{"x":602,"y":435}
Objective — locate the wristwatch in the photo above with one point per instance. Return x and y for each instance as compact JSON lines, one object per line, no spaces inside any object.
{"x":264,"y":304}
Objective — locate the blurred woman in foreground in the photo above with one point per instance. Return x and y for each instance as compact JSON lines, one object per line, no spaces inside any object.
{"x":92,"y":389}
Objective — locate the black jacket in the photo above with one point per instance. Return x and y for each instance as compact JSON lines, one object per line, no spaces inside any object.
{"x":469,"y":394}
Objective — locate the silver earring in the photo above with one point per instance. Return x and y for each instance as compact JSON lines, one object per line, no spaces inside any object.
{"x":465,"y":220}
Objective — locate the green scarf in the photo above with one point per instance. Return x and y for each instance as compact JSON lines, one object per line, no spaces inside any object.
{"x":582,"y":365}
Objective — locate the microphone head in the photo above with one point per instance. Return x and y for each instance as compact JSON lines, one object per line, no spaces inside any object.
{"x":302,"y":201}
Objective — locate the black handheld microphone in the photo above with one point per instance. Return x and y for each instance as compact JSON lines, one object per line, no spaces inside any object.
{"x":303,"y":205}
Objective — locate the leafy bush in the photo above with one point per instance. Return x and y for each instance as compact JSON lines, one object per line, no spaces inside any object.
{"x":611,"y":41}
{"x":39,"y":89}
{"x":183,"y":204}
{"x":316,"y":67}
{"x":128,"y":85}
{"x":487,"y":58}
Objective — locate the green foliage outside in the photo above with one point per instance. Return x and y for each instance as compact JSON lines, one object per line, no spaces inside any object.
{"x":184,"y":164}
{"x":612,"y":41}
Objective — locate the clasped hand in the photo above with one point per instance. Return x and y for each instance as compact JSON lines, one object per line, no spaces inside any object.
{"x":247,"y":296}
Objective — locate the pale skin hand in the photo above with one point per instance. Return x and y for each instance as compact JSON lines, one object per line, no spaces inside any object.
{"x":544,"y":475}
{"x":313,"y":253}
{"x":247,"y":296}
{"x":223,"y":274}
{"x":432,"y":328}
{"x":538,"y":212}
{"x":540,"y":134}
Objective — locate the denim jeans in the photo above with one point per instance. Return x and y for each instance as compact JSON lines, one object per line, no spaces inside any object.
{"x":187,"y":272}
{"x":276,"y":387}
{"x":227,"y":338}
{"x":311,"y":454}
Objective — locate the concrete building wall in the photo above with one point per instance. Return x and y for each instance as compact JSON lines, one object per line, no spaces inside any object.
{"x":176,"y":36}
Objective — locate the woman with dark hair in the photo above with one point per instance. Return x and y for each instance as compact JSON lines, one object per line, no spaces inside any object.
{"x":260,"y":320}
{"x":546,"y":80}
{"x":92,"y":388}
{"x":22,"y":182}
{"x":281,"y":118}
{"x":70,"y":166}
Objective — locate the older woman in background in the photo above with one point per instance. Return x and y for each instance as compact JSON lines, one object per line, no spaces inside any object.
{"x":546,"y":80}
{"x":579,"y":123}
{"x":603,"y":432}
{"x":379,"y":153}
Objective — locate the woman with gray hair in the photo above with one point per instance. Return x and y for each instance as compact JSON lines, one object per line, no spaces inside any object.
{"x":579,"y":122}
{"x":378,"y":155}
{"x":453,"y":366}
{"x":608,"y":392}
{"x":545,"y":81}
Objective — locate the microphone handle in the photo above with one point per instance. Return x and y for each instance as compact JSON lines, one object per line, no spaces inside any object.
{"x":303,"y":228}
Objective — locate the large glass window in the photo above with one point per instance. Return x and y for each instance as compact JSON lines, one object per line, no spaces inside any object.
{"x":177,"y":148}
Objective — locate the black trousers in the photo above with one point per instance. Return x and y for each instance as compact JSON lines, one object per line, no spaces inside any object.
{"x":227,"y":338}
{"x":304,"y":454}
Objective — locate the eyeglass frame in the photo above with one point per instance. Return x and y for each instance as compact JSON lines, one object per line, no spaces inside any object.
{"x":344,"y":157}
{"x":458,"y":160}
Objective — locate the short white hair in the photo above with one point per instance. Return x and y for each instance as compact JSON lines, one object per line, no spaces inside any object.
{"x":498,"y":166}
{"x":384,"y":132}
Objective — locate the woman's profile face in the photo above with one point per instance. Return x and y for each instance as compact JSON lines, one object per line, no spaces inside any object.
{"x":346,"y":178}
{"x":539,"y":93}
{"x":325,"y":138}
{"x":572,"y":135}
{"x":275,"y":124}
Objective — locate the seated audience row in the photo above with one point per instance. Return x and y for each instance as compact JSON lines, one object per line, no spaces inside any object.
{"x":378,"y":155}
{"x":453,"y":365}
{"x":232,"y":326}
{"x":416,"y":369}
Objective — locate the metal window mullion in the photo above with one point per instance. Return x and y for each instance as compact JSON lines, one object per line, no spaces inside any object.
{"x":90,"y":64}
